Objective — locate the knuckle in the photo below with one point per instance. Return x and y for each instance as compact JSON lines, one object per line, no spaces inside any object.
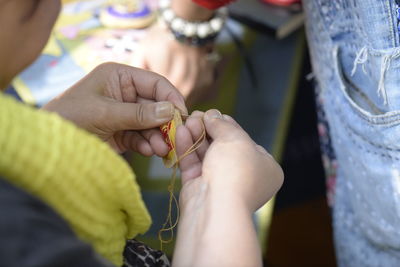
{"x":140,"y":115}
{"x":107,"y":65}
{"x":163,"y":79}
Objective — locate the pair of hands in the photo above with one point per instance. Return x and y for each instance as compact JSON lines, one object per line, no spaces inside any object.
{"x":229,"y":175}
{"x":124,"y":106}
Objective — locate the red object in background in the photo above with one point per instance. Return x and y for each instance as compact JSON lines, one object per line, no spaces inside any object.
{"x":212,"y":4}
{"x":282,"y":2}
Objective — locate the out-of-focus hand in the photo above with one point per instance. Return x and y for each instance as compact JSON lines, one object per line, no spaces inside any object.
{"x":189,"y":68}
{"x":223,"y":182}
{"x":123,"y":106}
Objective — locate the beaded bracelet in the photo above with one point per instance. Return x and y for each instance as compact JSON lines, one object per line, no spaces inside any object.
{"x":196,"y":33}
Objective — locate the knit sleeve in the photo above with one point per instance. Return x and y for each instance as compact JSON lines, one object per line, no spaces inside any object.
{"x":75,"y":173}
{"x":212,"y":4}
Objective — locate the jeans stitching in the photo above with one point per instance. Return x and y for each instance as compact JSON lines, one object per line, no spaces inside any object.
{"x":386,"y":119}
{"x":392,"y":30}
{"x":354,"y":133}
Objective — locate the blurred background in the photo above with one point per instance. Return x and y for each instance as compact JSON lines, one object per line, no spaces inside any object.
{"x":263,"y":79}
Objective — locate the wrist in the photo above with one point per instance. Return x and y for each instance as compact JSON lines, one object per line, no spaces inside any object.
{"x":214,"y":227}
{"x":210,"y":207}
{"x":210,"y":198}
{"x":200,"y":32}
{"x":188,"y":10}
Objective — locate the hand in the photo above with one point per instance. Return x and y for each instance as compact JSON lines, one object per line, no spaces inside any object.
{"x":187,"y":67}
{"x":229,"y":161}
{"x":123,"y":106}
{"x":223,"y":182}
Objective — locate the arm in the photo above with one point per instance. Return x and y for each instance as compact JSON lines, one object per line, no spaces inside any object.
{"x":221,"y":233}
{"x":224,"y":182}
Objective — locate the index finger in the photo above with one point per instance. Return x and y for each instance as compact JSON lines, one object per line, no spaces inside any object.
{"x":190,"y":165}
{"x":153,"y":86}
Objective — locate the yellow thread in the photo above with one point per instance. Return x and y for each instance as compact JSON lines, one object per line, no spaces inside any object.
{"x":171,"y":187}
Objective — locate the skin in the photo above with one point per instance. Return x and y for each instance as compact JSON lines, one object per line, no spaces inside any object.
{"x":99,"y":102}
{"x":124,"y":106}
{"x":32,"y":20}
{"x":189,"y":10}
{"x":187,"y":67}
{"x":224,"y":181}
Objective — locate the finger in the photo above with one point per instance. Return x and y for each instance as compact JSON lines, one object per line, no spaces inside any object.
{"x":196,"y":128}
{"x":156,"y":141}
{"x":149,"y":84}
{"x":190,"y":165}
{"x":197,"y":114}
{"x":142,"y":100}
{"x":262,"y":150}
{"x":155,"y":87}
{"x":200,"y":115}
{"x":133,"y":116}
{"x":134,"y":141}
{"x":219,"y":128}
{"x":232,"y":120}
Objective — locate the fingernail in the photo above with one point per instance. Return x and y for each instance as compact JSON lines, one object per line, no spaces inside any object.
{"x":164,"y":110}
{"x":213,"y":114}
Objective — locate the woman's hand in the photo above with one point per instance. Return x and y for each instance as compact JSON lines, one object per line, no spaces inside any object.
{"x":228,"y":160}
{"x":189,"y":68}
{"x":123,"y":106}
{"x":224,"y":182}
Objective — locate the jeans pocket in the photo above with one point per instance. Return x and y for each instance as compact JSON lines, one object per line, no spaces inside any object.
{"x":359,"y":101}
{"x":367,"y":145}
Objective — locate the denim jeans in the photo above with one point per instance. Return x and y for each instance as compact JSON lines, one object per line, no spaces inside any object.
{"x":355,"y":53}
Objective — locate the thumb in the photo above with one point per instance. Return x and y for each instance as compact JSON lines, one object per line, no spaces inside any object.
{"x":134,"y":116}
{"x":217,"y":127}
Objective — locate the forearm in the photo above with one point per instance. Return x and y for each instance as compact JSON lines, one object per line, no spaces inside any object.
{"x":219,"y":232}
{"x":191,"y":11}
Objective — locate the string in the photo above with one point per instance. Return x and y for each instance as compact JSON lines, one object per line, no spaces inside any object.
{"x":185,"y":116}
{"x":168,"y":226}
